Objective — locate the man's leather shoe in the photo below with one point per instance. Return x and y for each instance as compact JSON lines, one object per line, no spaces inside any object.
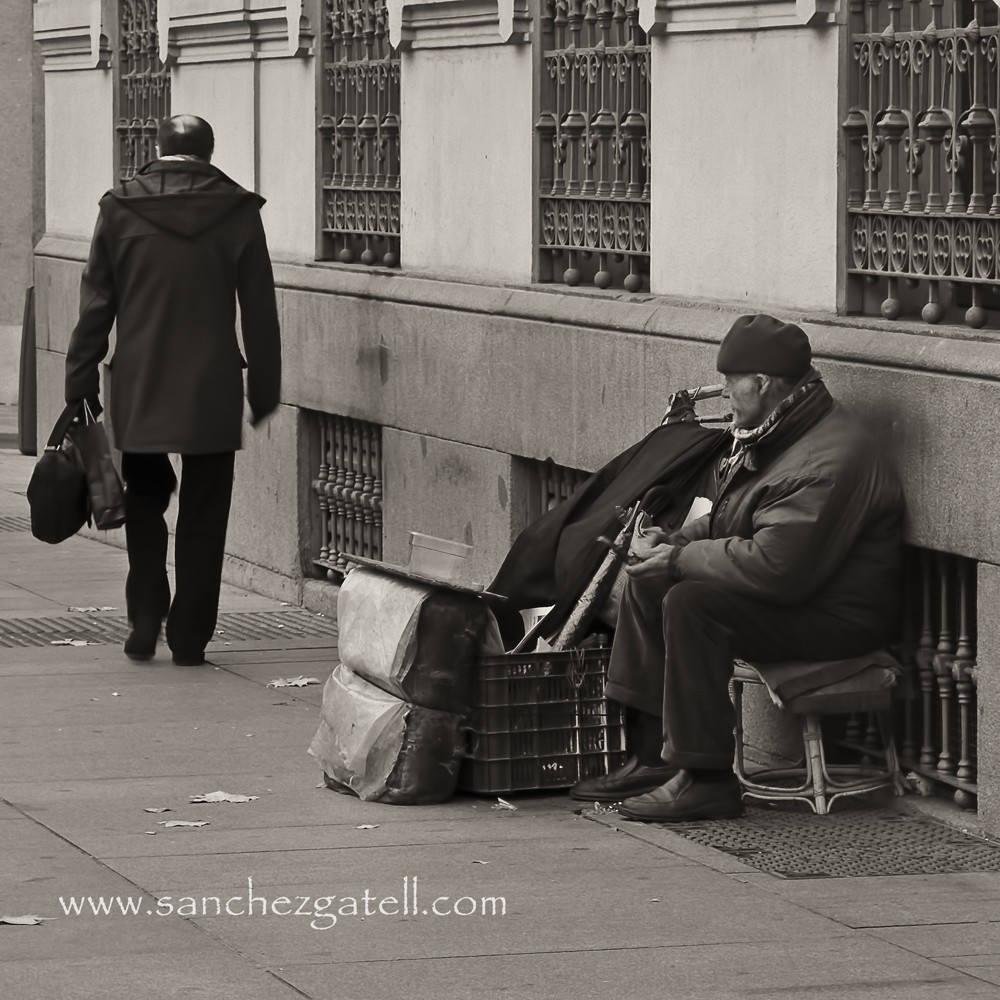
{"x":684,"y":799}
{"x":188,"y":659}
{"x":140,"y":646}
{"x":632,"y":778}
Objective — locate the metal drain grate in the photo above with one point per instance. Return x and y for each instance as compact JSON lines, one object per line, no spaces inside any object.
{"x":237,"y":626}
{"x":14,"y":522}
{"x":850,"y":844}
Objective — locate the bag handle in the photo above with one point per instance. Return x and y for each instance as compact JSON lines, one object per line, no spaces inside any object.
{"x":62,"y":426}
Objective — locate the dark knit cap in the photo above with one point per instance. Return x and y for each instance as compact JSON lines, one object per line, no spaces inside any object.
{"x":764,"y":345}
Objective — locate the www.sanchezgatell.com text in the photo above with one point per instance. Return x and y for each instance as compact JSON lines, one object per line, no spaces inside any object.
{"x":322,"y":911}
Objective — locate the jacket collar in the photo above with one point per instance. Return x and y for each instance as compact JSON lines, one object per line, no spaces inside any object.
{"x":801,"y":410}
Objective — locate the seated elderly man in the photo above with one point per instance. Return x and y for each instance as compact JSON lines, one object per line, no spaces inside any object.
{"x":798,"y":560}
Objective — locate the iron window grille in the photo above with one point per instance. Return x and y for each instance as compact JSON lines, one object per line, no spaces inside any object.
{"x":348,"y":491}
{"x":593,"y":135}
{"x":923,"y":198}
{"x":549,"y":485}
{"x":142,"y":86}
{"x":936,"y":706}
{"x":359,"y":135}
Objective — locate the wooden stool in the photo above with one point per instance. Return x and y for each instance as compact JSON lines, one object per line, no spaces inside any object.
{"x":816,"y":782}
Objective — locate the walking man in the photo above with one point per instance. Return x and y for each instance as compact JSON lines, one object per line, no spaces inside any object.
{"x":173,"y":250}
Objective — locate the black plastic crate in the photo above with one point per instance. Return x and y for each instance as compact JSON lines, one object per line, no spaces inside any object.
{"x":541,"y":720}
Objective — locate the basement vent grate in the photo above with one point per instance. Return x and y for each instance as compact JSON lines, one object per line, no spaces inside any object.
{"x":850,"y":844}
{"x":237,"y":626}
{"x":14,"y":522}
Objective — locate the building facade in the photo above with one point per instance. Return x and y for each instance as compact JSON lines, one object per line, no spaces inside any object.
{"x":22,"y":181}
{"x":504,"y":231}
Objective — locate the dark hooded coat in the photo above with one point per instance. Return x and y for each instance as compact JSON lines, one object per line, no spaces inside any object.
{"x":173,"y":250}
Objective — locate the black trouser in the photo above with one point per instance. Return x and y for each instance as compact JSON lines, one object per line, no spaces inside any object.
{"x":199,"y":544}
{"x":674,"y":654}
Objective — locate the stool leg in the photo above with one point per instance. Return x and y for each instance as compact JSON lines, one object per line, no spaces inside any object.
{"x":812,"y":736}
{"x":738,"y":763}
{"x":886,"y":731}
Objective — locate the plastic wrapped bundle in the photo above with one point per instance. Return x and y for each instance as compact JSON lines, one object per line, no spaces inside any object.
{"x":380,"y":748}
{"x":410,"y":639}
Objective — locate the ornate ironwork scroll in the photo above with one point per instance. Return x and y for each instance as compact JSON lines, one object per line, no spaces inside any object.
{"x":924,"y":160}
{"x":143,"y":85}
{"x":348,"y":487}
{"x":360,"y":134}
{"x":594,"y":136}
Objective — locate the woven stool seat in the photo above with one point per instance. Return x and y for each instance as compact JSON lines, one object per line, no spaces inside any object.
{"x":810,"y":691}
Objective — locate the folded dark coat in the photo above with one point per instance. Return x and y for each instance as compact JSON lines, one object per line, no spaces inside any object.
{"x":172,"y":251}
{"x":553,"y":559}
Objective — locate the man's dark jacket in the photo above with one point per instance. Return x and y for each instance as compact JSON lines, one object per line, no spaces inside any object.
{"x":818,"y":522}
{"x":173,"y":248}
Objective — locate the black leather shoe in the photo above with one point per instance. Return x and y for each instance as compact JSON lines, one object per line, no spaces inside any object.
{"x":632,"y":778}
{"x":188,"y":659}
{"x":683,"y":799}
{"x":140,"y":646}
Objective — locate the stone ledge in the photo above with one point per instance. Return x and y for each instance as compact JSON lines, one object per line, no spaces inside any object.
{"x":70,"y":35}
{"x":667,"y":17}
{"x":437,"y":24}
{"x":206,"y":31}
{"x":860,"y":340}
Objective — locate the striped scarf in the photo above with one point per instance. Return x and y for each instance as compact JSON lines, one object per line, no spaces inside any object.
{"x":746,"y":440}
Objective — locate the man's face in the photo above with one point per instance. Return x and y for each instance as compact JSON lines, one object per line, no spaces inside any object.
{"x":746,"y":397}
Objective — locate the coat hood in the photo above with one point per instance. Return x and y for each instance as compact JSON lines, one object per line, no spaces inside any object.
{"x":184,"y":197}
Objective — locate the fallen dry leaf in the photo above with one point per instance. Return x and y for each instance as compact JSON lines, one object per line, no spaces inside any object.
{"x":297,"y":682}
{"x":71,"y":642}
{"x":367,"y":826}
{"x":105,"y":607}
{"x":157,"y":809}
{"x":222,"y":797}
{"x":25,"y":920}
{"x":504,"y":804}
{"x":168,"y":823}
{"x":480,"y":862}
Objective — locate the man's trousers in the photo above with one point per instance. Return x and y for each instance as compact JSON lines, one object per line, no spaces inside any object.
{"x":673,"y":654}
{"x":199,"y":545}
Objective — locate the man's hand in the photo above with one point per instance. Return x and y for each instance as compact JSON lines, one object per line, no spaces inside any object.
{"x":643,"y":545}
{"x":656,"y":564}
{"x":94,"y":402}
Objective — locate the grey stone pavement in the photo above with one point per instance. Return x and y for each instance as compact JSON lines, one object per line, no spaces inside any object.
{"x":595,"y":906}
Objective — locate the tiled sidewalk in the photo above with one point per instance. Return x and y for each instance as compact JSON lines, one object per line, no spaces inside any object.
{"x":595,"y":907}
